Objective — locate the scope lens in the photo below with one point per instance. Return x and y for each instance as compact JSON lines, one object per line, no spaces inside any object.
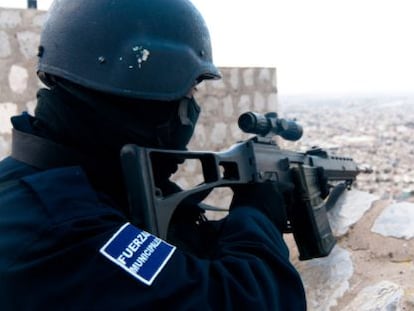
{"x":247,"y":122}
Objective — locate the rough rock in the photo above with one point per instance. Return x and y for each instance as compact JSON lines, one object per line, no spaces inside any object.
{"x":10,"y":19}
{"x":383,"y":296}
{"x":397,"y":220}
{"x":363,"y":264}
{"x":350,"y":207}
{"x":326,"y":279}
{"x":28,"y":42}
{"x":5,"y":49}
{"x":248,"y":77}
{"x":4,"y":148}
{"x":18,"y":79}
{"x":7,"y":110}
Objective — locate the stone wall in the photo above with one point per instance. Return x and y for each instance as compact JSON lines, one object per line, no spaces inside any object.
{"x":19,"y":37}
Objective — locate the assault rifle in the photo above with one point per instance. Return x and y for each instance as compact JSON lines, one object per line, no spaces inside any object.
{"x":308,"y":178}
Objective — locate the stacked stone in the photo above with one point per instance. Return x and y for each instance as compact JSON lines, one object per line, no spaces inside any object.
{"x":19,"y":40}
{"x":222,"y":101}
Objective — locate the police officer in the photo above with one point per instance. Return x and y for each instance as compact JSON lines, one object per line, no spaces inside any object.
{"x":121,"y":72}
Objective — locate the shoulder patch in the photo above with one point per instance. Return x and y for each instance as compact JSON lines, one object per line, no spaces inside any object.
{"x":138,"y":252}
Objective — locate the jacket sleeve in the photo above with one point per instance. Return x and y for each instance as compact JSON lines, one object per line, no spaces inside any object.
{"x":251,"y":270}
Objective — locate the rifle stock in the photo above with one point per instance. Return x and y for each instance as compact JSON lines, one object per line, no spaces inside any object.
{"x":255,"y":160}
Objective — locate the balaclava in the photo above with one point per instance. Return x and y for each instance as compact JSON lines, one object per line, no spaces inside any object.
{"x":97,"y":125}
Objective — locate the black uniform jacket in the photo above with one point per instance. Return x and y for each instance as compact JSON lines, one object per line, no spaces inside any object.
{"x":58,"y":251}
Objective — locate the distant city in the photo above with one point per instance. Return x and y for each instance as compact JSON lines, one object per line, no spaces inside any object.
{"x":374,"y":131}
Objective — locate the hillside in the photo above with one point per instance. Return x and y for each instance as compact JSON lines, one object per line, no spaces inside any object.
{"x":375,"y":131}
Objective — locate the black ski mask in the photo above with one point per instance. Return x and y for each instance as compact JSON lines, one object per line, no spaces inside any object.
{"x":148,"y":123}
{"x":97,"y":125}
{"x":177,"y":132}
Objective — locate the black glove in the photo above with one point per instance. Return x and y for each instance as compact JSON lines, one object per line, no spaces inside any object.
{"x":190,"y":231}
{"x":266,"y":197}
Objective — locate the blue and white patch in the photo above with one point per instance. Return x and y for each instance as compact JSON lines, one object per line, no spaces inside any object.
{"x":138,"y":252}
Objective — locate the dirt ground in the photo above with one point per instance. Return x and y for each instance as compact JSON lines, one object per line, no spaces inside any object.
{"x":375,"y":258}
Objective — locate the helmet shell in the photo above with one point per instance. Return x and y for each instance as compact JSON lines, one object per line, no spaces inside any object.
{"x":149,"y":49}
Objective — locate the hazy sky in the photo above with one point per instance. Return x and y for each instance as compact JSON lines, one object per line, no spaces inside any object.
{"x":318,"y":46}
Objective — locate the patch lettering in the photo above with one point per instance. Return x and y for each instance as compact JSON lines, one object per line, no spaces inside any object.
{"x":138,"y":252}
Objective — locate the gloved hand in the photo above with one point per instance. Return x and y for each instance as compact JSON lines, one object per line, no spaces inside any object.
{"x":266,"y":197}
{"x":190,"y":231}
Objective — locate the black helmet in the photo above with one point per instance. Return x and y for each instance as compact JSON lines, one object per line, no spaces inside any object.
{"x":149,"y":49}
